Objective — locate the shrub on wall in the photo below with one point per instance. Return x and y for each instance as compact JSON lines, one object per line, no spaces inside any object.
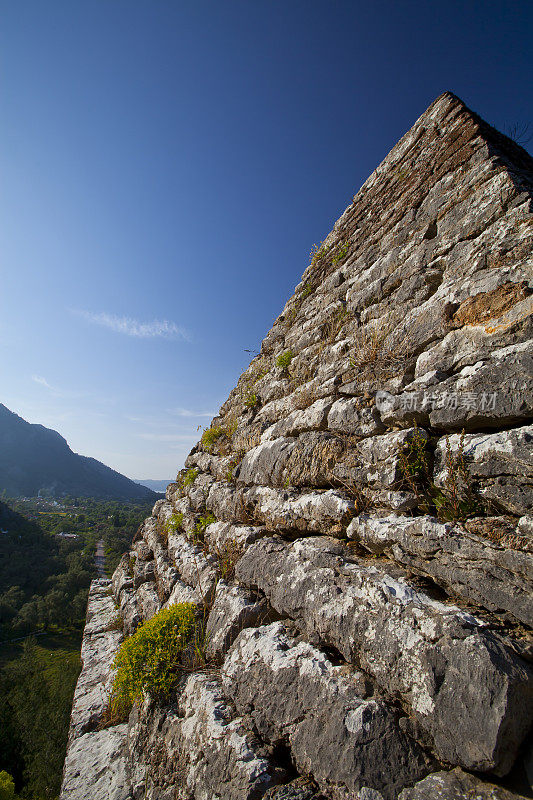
{"x":152,"y":659}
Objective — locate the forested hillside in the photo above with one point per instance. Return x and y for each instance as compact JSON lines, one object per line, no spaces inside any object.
{"x":46,"y":565}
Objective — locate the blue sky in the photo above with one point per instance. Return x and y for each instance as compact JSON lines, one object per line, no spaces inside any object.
{"x":166,"y":168}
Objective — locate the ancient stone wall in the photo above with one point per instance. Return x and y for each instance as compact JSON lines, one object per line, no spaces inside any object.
{"x":357,"y":523}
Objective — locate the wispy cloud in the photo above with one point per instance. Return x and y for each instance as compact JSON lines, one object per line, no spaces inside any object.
{"x":41,"y":381}
{"x":185,"y":412}
{"x":163,"y":329}
{"x":74,"y":394}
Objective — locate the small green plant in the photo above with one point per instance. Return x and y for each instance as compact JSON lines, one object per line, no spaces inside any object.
{"x":227,"y":557}
{"x":219,"y":436}
{"x":189,"y":477}
{"x":413,"y":458}
{"x":318,"y":251}
{"x":414,"y":468}
{"x":151,"y":660}
{"x":284,"y":359}
{"x":308,"y":289}
{"x":233,"y":464}
{"x":457,"y":499}
{"x":251,"y":400}
{"x":340,"y":253}
{"x":199,"y":530}
{"x":211,"y":436}
{"x":174,"y":523}
{"x":186,"y":478}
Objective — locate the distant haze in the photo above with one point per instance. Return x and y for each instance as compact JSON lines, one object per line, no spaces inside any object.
{"x":155,"y":486}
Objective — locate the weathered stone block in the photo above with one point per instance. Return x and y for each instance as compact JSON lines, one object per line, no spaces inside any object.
{"x":221,"y":535}
{"x":204,"y":752}
{"x":456,"y":785}
{"x":143,"y":551}
{"x":264,"y":464}
{"x":195,"y":568}
{"x":487,"y":394}
{"x":296,"y":696}
{"x":321,"y":512}
{"x":467,"y":691}
{"x":375,"y":461}
{"x":312,"y":460}
{"x":501,"y":463}
{"x":312,"y":418}
{"x":349,"y":416}
{"x":122,"y":577}
{"x":101,"y":639}
{"x":233,"y":610}
{"x":496,"y":577}
{"x":149,"y":600}
{"x":182,"y":593}
{"x":95,"y":767}
{"x":143,"y":571}
{"x":130,"y":611}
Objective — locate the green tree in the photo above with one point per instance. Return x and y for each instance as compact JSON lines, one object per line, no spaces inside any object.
{"x":7,"y":786}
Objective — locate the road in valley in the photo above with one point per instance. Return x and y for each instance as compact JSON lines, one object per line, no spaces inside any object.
{"x":99,"y":559}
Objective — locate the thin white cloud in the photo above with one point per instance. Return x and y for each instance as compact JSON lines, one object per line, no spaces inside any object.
{"x":185,"y":412}
{"x":163,"y":329}
{"x":41,"y":381}
{"x":72,"y":394}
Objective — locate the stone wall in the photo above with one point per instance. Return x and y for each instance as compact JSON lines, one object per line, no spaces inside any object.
{"x":357,"y":523}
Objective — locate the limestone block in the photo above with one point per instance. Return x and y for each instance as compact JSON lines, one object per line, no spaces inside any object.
{"x":456,"y":785}
{"x":101,"y":640}
{"x":143,"y":571}
{"x":195,"y":568}
{"x":233,"y":609}
{"x":204,"y":750}
{"x":122,"y":577}
{"x":95,"y":767}
{"x":491,"y":393}
{"x":296,"y":696}
{"x":264,"y":464}
{"x":347,"y":415}
{"x":149,"y":600}
{"x":482,"y":571}
{"x":375,"y":461}
{"x":182,"y":593}
{"x":501,"y":463}
{"x":312,"y":418}
{"x":320,"y":512}
{"x":130,"y":611}
{"x":471,"y":695}
{"x":221,"y":535}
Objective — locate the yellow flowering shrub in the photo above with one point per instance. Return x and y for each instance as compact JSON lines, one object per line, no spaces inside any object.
{"x":151,"y":659}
